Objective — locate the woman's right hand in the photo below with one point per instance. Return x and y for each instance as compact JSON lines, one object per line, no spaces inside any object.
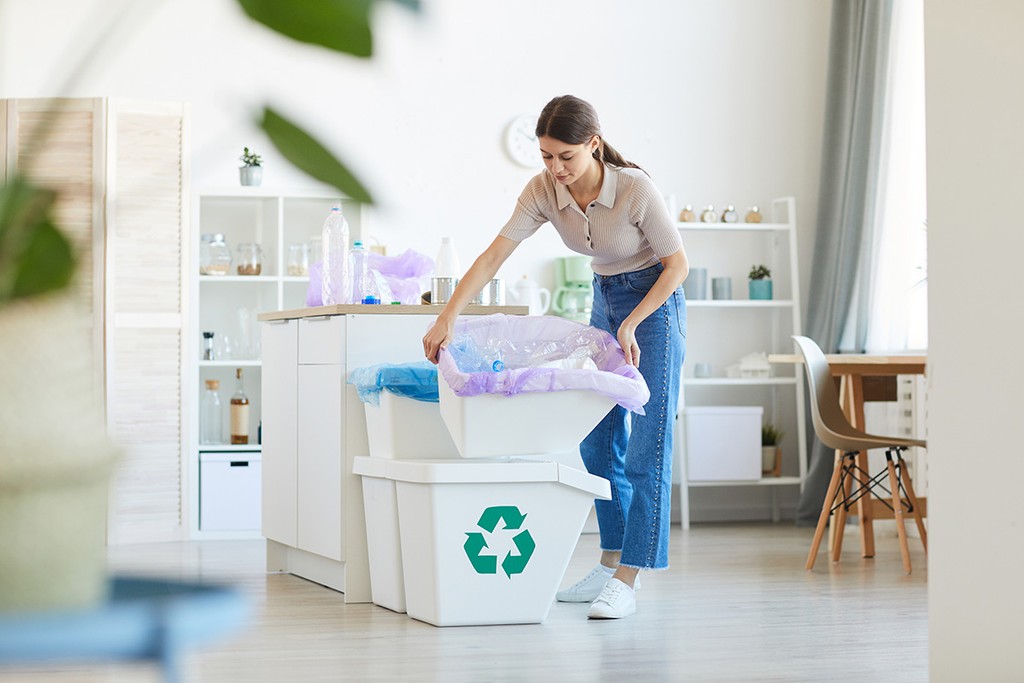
{"x":437,"y":337}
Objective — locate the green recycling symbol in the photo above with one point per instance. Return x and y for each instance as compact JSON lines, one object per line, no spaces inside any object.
{"x":475,"y":542}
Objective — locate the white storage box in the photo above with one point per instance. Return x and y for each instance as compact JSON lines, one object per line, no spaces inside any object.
{"x":491,"y":425}
{"x":229,"y":491}
{"x":487,"y":541}
{"x":402,"y":427}
{"x":383,"y":541}
{"x":723,"y":443}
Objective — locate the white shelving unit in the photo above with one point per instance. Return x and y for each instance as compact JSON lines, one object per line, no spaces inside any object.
{"x":720,"y":332}
{"x":274,"y":219}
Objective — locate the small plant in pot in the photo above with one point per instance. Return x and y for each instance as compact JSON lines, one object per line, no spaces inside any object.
{"x":251,"y":172}
{"x":760,"y":282}
{"x":771,"y":454}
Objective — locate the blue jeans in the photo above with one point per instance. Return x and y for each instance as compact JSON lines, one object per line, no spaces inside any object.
{"x":634,"y":452}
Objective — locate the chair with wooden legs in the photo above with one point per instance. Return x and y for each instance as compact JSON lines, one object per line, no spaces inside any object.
{"x":850,"y":479}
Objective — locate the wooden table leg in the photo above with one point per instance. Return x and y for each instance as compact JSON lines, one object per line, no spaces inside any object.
{"x":854,"y":409}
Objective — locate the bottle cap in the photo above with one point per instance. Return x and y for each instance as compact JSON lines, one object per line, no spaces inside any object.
{"x":497,"y":366}
{"x":213,"y":384}
{"x":207,"y":335}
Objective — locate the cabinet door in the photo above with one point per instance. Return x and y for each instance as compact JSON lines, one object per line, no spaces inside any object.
{"x":320,"y":459}
{"x":280,"y":430}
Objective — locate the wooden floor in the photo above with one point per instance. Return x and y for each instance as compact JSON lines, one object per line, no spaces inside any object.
{"x":736,"y":605}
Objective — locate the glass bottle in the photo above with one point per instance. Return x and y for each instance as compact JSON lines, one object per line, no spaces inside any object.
{"x":214,"y":255}
{"x":687,"y":215}
{"x":708,"y":215}
{"x":298,"y":260}
{"x":211,"y":429}
{"x":207,"y":345}
{"x":729,"y":215}
{"x":239,"y":413}
{"x":753,"y":216}
{"x":250,"y":259}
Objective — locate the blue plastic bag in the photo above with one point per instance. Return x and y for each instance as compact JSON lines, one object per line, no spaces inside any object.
{"x":417,"y":381}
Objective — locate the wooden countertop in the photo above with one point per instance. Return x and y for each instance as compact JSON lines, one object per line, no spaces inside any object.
{"x":381,"y":309}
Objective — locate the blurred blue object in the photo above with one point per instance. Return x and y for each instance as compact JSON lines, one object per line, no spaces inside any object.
{"x":416,"y":380}
{"x":145,"y":619}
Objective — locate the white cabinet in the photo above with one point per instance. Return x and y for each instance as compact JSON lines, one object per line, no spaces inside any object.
{"x":280,"y":387}
{"x":721,"y":332}
{"x":227,"y":306}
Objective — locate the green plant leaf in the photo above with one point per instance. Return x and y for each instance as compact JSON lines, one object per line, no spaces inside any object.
{"x":35,"y":257}
{"x":308,"y":155}
{"x":339,"y":25}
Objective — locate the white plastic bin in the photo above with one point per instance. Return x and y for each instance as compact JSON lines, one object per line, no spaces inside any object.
{"x":402,"y":427}
{"x":487,"y":541}
{"x":723,"y":443}
{"x":229,"y":491}
{"x":492,"y":425}
{"x":383,"y":541}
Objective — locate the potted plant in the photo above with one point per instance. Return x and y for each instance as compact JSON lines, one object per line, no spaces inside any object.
{"x":771,"y":454}
{"x":55,"y":458}
{"x":251,"y":172}
{"x":760,"y":282}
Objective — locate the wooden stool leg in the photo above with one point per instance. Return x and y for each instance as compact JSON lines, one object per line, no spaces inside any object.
{"x":845,"y":486}
{"x":897,"y":507}
{"x":826,"y":507}
{"x":908,"y":484}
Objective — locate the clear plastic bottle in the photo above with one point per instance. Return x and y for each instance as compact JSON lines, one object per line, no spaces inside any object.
{"x":364,"y":289}
{"x":211,"y":417}
{"x":335,"y":287}
{"x":447,"y":262}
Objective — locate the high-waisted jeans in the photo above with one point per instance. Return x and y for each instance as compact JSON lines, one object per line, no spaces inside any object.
{"x":634,"y":452}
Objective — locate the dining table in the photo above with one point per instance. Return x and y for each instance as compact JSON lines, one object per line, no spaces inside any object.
{"x":865,"y":377}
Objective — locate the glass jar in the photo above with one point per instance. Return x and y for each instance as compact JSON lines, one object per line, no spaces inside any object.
{"x":250,"y":259}
{"x":211,"y":429}
{"x":298,"y":260}
{"x":214,"y":255}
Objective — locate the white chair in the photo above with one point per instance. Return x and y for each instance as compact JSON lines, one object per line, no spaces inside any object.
{"x":850,"y":481}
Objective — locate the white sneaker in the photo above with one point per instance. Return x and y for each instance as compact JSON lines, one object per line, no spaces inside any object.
{"x":616,"y":600}
{"x":587,"y":588}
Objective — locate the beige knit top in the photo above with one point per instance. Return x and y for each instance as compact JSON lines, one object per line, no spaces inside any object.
{"x":627,"y":228}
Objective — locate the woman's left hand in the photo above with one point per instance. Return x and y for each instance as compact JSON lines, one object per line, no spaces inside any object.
{"x":627,"y":340}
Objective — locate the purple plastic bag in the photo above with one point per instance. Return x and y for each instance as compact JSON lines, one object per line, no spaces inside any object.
{"x":402,"y":274}
{"x":509,"y":355}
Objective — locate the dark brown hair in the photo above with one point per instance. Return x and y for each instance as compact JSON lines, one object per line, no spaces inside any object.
{"x":573,"y":121}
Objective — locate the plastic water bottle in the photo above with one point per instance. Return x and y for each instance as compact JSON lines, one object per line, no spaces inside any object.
{"x":335,"y":287}
{"x":364,"y":288}
{"x":447,"y":262}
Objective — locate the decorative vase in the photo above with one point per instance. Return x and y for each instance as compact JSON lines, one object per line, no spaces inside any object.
{"x":761,"y":289}
{"x":771,"y":461}
{"x":55,"y":460}
{"x":251,"y":175}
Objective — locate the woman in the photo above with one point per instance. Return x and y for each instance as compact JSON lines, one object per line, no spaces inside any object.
{"x":608,"y":208}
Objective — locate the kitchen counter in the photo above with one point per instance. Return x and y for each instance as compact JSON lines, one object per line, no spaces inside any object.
{"x":392,"y":309}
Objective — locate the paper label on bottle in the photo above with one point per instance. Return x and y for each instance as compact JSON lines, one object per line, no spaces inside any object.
{"x":239,"y":420}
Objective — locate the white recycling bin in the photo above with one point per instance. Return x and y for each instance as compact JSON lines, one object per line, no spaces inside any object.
{"x":383,"y":542}
{"x":402,"y":427}
{"x":483,"y":542}
{"x":490,"y":425}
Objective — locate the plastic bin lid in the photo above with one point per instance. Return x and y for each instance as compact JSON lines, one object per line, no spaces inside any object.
{"x":461,"y":471}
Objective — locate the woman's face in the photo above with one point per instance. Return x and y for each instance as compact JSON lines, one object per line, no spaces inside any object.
{"x":567,"y":163}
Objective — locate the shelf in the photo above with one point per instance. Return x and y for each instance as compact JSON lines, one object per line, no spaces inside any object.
{"x":739,"y":303}
{"x":239,"y":278}
{"x":250,"y":363}
{"x":766,"y":481}
{"x":735,"y":227}
{"x":304,"y":279}
{"x":738,"y":381}
{"x":230,"y":448}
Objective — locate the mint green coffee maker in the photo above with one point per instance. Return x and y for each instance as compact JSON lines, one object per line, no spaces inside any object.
{"x":574,"y":293}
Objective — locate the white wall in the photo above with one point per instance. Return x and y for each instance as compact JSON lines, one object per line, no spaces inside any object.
{"x":974,"y":63}
{"x":720,"y":101}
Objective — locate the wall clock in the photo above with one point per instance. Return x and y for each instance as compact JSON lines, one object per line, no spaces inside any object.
{"x":521,"y":143}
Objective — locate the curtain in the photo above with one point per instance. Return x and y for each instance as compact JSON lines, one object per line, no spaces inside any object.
{"x":847,"y":198}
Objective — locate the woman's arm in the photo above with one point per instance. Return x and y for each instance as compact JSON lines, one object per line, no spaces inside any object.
{"x":676,"y":270}
{"x":478,"y":275}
